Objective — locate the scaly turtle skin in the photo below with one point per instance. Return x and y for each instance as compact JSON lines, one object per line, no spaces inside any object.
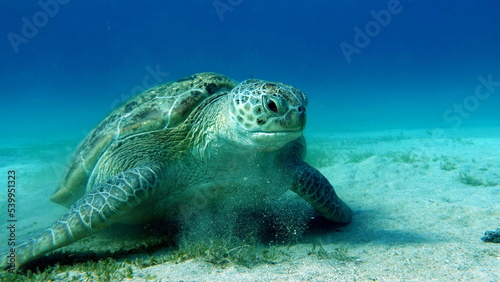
{"x":202,"y":134}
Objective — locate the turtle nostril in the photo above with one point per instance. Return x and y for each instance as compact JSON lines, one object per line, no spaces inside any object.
{"x":272,"y":106}
{"x":301,"y":109}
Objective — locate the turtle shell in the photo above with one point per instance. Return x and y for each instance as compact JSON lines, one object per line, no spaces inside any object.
{"x":161,"y":107}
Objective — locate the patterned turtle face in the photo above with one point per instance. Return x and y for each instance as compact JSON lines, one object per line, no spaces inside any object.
{"x":269,"y":111}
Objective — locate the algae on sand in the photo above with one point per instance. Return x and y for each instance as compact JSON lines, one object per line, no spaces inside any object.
{"x":470,"y":180}
{"x":340,"y":253}
{"x":227,"y":251}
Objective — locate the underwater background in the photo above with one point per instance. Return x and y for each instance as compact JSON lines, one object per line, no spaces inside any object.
{"x":403,"y":116}
{"x":366,"y":65}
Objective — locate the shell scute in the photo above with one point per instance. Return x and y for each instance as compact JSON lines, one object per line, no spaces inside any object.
{"x":160,"y":107}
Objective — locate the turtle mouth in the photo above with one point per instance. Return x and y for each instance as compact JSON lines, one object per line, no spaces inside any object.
{"x":275,"y":136}
{"x":277,"y":132}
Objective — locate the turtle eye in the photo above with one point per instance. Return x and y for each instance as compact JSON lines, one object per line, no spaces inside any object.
{"x":272,"y":106}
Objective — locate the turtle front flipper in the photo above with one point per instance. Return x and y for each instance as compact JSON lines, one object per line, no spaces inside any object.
{"x":96,"y":210}
{"x":313,"y":187}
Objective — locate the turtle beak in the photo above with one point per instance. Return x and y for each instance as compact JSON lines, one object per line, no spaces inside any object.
{"x":283,"y":118}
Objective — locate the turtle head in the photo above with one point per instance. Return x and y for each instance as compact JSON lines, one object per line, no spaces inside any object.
{"x":267,"y":115}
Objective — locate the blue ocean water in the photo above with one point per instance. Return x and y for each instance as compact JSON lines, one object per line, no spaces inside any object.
{"x":366,"y":65}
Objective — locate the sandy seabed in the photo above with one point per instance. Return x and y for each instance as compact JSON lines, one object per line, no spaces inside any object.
{"x":422,"y":201}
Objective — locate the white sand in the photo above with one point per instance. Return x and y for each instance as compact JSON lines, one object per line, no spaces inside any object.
{"x":413,"y":221}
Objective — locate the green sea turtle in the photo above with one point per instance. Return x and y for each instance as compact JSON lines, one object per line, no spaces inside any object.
{"x":152,"y":155}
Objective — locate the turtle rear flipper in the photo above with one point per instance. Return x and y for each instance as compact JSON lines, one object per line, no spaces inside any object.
{"x":94,"y":211}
